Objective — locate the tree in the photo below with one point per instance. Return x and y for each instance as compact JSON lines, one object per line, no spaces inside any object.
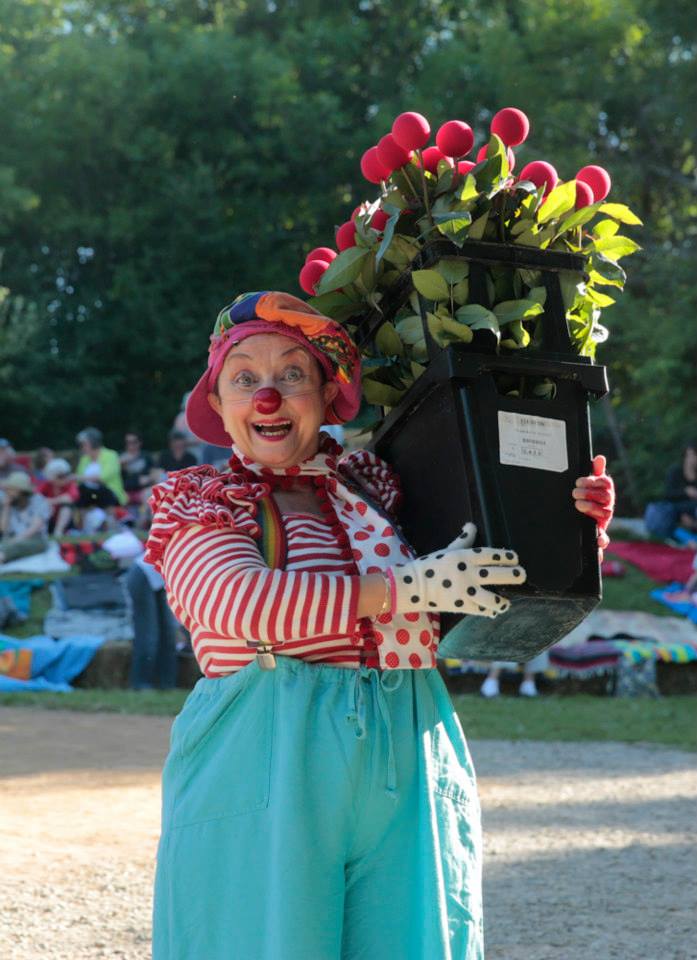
{"x":157,"y":158}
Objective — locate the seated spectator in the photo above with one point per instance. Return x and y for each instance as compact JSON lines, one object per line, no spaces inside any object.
{"x":681,"y":488}
{"x":691,"y":585}
{"x":62,"y":493}
{"x":41,"y":458}
{"x":155,"y":629}
{"x":24,"y":517}
{"x":8,"y":464}
{"x":678,"y":509}
{"x":217,"y":457}
{"x":528,"y":687}
{"x":98,"y":472}
{"x":193,"y":444}
{"x":177,"y":456}
{"x":136,"y":466}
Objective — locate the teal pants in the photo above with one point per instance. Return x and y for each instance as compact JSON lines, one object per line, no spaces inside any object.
{"x":319,"y":813}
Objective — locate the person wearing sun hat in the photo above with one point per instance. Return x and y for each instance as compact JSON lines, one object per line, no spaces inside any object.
{"x":319,"y":798}
{"x":24,"y":517}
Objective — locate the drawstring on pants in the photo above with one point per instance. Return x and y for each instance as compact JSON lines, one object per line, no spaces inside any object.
{"x":380,"y":683}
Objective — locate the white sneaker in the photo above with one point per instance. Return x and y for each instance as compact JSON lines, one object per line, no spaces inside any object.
{"x":490,"y":688}
{"x":528,"y":689}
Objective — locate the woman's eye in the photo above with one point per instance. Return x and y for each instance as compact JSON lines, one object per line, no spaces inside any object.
{"x":293,"y":375}
{"x":244,"y":380}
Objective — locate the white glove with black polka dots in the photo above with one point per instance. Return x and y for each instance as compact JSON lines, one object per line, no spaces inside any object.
{"x":454,"y":580}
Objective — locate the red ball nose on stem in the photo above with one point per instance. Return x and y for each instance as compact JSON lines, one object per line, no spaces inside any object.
{"x":267,"y":400}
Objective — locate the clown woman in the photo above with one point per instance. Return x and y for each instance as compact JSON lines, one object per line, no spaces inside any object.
{"x":319,"y":799}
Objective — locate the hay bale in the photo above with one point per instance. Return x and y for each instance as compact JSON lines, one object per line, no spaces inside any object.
{"x":108,"y":669}
{"x":111,"y":665}
{"x":676,"y":678}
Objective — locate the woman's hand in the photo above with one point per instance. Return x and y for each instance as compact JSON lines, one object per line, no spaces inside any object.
{"x":463,"y":540}
{"x":594,"y":496}
{"x":455,"y":580}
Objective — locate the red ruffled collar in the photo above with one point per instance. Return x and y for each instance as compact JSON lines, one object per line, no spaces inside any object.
{"x":236,"y":488}
{"x":323,"y":463}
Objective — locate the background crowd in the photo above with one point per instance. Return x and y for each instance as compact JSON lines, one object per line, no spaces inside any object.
{"x":90,"y":490}
{"x":96,"y":491}
{"x":101,"y":494}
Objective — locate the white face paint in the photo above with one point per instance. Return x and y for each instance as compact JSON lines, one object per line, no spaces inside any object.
{"x":290,"y":434}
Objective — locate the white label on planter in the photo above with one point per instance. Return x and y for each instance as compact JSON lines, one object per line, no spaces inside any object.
{"x":530,"y":441}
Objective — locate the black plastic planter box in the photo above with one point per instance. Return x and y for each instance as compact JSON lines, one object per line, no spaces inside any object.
{"x":464,"y":451}
{"x":445,"y":442}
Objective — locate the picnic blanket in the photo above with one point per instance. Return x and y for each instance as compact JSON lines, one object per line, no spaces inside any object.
{"x":675,"y":597}
{"x":661,"y":562}
{"x":604,"y":654}
{"x":50,"y":561}
{"x":635,"y":623}
{"x":41,"y":663}
{"x":19,"y":591}
{"x":672,"y":638}
{"x":112,"y":625}
{"x":88,"y":591}
{"x":608,"y":638}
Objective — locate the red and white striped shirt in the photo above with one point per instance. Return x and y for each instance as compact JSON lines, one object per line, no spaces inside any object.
{"x":203,"y":540}
{"x":220,"y":588}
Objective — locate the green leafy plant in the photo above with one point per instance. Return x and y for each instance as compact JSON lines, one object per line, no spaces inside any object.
{"x":425,"y":195}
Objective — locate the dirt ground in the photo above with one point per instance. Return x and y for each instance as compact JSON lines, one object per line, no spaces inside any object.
{"x":590,"y":848}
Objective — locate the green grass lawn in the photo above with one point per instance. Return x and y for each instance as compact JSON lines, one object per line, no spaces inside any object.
{"x":40,"y":605}
{"x":671,"y":721}
{"x":152,"y":702}
{"x":631,"y":592}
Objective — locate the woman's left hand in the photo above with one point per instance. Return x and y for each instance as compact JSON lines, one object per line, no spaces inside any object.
{"x":595,"y":496}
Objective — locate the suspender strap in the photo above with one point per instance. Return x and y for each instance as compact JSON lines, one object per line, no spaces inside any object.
{"x":272,"y":542}
{"x":274,"y":550}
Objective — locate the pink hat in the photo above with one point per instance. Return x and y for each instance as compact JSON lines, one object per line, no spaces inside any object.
{"x":284,"y":314}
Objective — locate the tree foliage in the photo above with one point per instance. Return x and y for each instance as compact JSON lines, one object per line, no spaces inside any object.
{"x":159,"y":156}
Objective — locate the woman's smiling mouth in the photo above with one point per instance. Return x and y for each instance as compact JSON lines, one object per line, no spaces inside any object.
{"x":274,"y":429}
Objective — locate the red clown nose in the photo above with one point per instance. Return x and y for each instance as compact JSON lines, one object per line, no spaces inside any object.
{"x":267,"y":400}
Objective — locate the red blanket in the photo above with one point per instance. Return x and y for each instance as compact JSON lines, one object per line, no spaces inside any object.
{"x":662,"y":563}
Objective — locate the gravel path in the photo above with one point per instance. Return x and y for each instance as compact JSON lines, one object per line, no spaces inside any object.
{"x":590,"y":848}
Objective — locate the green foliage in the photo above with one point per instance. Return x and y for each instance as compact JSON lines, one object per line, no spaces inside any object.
{"x":431,"y":284}
{"x":343,"y":270}
{"x":157,"y":158}
{"x":496,"y":208}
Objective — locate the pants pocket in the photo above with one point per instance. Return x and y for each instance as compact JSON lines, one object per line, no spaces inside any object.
{"x":451,"y":763}
{"x":455,"y":805}
{"x":221,"y":751}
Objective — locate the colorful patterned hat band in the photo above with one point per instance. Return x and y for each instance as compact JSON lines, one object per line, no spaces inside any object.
{"x":327,"y":336}
{"x":281,"y":313}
